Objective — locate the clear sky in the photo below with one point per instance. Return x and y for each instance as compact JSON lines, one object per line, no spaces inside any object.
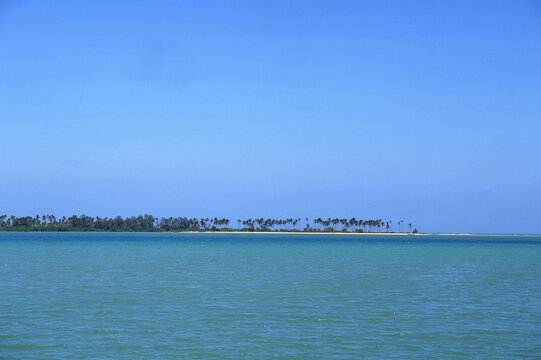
{"x":426,"y":111}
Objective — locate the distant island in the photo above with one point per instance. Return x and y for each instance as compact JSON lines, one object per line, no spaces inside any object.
{"x":149,"y":223}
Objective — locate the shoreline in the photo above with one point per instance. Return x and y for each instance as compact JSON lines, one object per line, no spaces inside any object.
{"x":295,"y":233}
{"x":268,"y":233}
{"x":344,"y":233}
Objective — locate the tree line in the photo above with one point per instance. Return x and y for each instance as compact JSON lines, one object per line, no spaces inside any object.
{"x":147,"y":223}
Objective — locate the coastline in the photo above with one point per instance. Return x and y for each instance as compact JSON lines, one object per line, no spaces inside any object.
{"x":265,"y":233}
{"x":301,"y":233}
{"x":344,"y":233}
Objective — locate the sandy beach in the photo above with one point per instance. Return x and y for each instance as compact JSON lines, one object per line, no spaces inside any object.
{"x":345,"y":233}
{"x":304,"y":233}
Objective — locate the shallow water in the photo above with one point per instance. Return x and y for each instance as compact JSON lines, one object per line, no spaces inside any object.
{"x":230,"y":296}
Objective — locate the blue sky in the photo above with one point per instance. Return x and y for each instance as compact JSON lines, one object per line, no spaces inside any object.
{"x":427,"y":111}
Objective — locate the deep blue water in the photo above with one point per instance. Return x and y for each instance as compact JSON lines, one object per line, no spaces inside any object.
{"x":230,"y":296}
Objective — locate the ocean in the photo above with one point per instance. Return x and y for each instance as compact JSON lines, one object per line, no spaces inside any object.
{"x":269,"y":296}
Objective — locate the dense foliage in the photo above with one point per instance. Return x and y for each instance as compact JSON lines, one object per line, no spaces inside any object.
{"x":151,"y":223}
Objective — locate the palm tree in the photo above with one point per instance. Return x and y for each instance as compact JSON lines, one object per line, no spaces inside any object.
{"x":400,"y":225}
{"x":334,"y":223}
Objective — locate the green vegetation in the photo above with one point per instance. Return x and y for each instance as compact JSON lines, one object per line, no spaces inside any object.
{"x":147,"y":223}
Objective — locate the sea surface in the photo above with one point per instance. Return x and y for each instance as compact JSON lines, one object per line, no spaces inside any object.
{"x":249,"y":296}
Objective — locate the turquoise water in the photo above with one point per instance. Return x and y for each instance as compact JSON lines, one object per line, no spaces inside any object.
{"x":230,"y":296}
